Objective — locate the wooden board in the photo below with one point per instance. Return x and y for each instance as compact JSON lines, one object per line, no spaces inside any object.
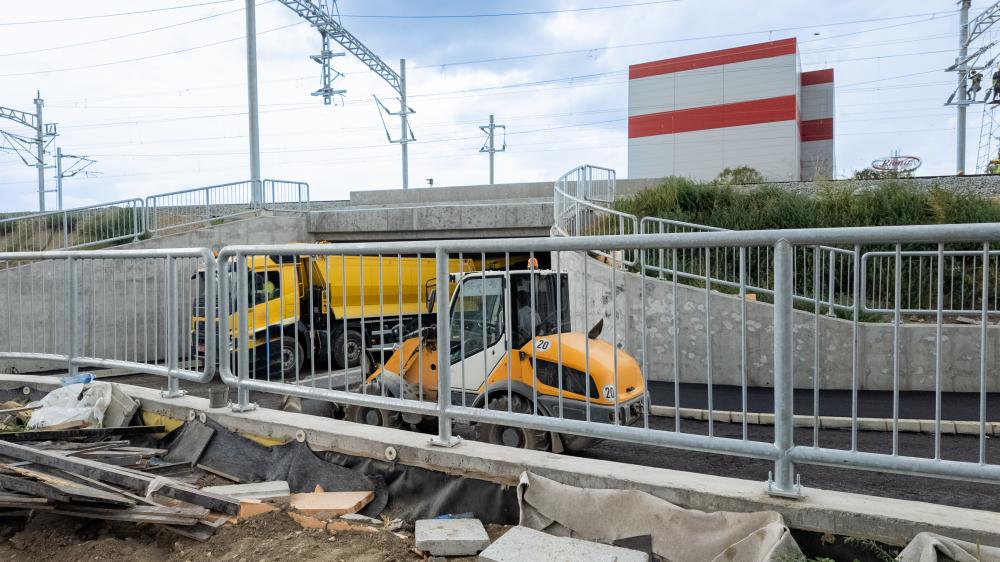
{"x":335,"y":503}
{"x":50,"y":434}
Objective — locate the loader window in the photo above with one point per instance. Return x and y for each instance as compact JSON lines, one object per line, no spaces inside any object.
{"x":477,"y":312}
{"x":544,"y":317}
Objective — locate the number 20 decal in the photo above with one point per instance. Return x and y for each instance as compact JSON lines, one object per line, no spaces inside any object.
{"x":609,"y":392}
{"x":542,"y":345}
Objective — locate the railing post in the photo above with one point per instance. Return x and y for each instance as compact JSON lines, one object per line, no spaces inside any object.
{"x":72,"y":325}
{"x":173,"y":328}
{"x":783,"y":482}
{"x":444,"y":437}
{"x":65,"y":229}
{"x":242,"y":329}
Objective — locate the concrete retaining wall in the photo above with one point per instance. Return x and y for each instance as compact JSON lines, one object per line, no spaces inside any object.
{"x":960,"y":343}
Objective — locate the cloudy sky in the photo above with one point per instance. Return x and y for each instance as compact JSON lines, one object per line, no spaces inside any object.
{"x":159,"y":98}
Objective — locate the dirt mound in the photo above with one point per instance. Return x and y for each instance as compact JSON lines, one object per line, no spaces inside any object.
{"x":274,"y":537}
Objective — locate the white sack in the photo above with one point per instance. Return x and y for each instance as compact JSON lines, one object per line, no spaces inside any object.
{"x":65,"y":404}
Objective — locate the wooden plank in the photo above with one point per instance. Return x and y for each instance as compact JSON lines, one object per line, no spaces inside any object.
{"x":336,"y":503}
{"x":31,"y":488}
{"x":264,"y":491}
{"x":17,"y":410}
{"x":138,"y":514}
{"x":118,"y":476}
{"x":73,"y":489}
{"x":48,"y":435}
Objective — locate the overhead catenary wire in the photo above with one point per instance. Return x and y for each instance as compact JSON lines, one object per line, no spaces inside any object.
{"x":117,"y":14}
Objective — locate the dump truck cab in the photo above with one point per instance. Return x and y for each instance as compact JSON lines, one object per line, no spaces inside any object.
{"x":511,"y":348}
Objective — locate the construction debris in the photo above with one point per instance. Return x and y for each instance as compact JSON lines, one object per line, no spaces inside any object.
{"x":522,"y":543}
{"x":262,"y":491}
{"x":334,"y":503}
{"x":452,"y":537}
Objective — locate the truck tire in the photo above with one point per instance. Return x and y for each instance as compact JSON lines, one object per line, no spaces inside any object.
{"x":513,"y":436}
{"x":355,"y":347}
{"x":290,"y":357}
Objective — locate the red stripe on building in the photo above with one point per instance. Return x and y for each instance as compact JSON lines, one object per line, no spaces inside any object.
{"x":816,"y":129}
{"x":817,"y":77}
{"x":713,"y":58}
{"x":769,"y":110}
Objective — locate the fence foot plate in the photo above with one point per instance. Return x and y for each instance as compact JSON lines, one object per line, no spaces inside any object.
{"x":438,"y":442}
{"x":249,"y":407}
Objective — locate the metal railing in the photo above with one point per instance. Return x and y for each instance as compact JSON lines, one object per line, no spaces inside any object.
{"x":130,"y":219}
{"x":73,"y":228}
{"x":518,"y":356}
{"x":127,"y":309}
{"x":576,"y":215}
{"x":580,"y":205}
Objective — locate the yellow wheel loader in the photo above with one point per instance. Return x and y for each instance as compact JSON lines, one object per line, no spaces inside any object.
{"x":511,"y":349}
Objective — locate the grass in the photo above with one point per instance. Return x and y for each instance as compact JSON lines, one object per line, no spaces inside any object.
{"x":891,"y":202}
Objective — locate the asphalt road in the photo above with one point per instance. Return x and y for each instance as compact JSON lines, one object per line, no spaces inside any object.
{"x":933,"y":490}
{"x":958,"y":406}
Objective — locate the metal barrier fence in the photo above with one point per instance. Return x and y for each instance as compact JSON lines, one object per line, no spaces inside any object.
{"x":128,"y":309}
{"x":130,"y":219}
{"x":580,"y":205}
{"x":73,"y":228}
{"x":520,"y":364}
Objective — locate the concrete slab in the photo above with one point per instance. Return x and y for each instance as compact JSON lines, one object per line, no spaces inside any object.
{"x":522,"y":543}
{"x":451,"y":537}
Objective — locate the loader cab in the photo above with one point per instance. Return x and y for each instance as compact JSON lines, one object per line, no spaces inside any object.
{"x":501,"y":311}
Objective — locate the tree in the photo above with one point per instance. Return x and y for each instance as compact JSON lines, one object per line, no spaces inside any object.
{"x":741,"y":175}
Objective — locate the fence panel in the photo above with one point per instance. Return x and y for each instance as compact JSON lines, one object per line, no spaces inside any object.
{"x":201,"y":205}
{"x":82,"y":227}
{"x":141,"y":310}
{"x":285,"y":195}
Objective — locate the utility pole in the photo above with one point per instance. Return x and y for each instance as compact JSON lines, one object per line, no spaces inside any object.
{"x":321,"y":16}
{"x":40,"y":146}
{"x":490,"y":145}
{"x":44,"y":134}
{"x":404,"y":136}
{"x":969,"y":32}
{"x":81,"y":165}
{"x":256,"y":187}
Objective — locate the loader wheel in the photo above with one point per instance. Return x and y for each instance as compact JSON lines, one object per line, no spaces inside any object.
{"x":514,"y":436}
{"x":355,"y":346}
{"x":374,"y":416}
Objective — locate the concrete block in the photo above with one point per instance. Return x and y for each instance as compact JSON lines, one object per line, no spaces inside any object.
{"x":451,"y":537}
{"x":522,"y":543}
{"x":264,"y":491}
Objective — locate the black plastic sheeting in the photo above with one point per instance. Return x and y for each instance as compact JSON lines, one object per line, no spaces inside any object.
{"x":402,"y":491}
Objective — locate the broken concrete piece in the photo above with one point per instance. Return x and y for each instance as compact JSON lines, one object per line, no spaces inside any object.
{"x":263,"y":491}
{"x":522,"y":543}
{"x":337,"y":503}
{"x":395,"y":525}
{"x":356,"y":518}
{"x":452,"y":537}
{"x":306,"y":521}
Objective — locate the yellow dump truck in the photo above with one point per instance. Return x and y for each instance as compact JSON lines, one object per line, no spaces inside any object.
{"x":511,"y":348}
{"x":304,"y":307}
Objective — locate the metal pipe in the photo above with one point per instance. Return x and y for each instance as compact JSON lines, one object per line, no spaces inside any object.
{"x":963,"y":93}
{"x":404,"y":112}
{"x":444,"y":437}
{"x":40,"y":149}
{"x":784,"y":423}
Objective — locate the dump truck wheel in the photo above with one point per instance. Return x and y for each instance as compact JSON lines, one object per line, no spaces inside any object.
{"x":290,"y":357}
{"x":514,"y":436}
{"x":355,"y":346}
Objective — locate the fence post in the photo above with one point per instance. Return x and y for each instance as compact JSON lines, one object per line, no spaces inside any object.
{"x":65,"y":224}
{"x":783,"y":482}
{"x":173,"y":328}
{"x":242,"y":329}
{"x":72,"y":325}
{"x":444,"y":437}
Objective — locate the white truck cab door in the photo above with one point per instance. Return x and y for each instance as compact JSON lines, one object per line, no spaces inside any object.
{"x":478,"y":332}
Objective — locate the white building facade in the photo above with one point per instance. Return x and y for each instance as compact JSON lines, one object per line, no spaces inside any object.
{"x":696,"y":115}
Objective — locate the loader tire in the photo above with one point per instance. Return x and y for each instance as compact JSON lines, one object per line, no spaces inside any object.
{"x":374,"y":416}
{"x":514,"y":436}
